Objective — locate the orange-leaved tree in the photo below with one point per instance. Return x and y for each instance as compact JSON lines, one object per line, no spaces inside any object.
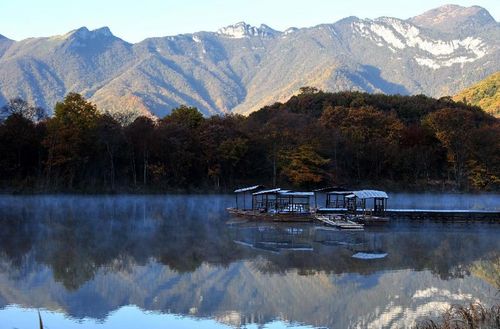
{"x":70,"y":139}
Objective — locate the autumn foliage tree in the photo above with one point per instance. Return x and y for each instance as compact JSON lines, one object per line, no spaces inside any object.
{"x":70,"y":141}
{"x":177,"y":152}
{"x":225,"y":148}
{"x":370,"y":139}
{"x":304,"y":167}
{"x":463,"y":133}
{"x":484,"y":160}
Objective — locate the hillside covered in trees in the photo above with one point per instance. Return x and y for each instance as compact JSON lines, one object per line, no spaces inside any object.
{"x":314,"y":139}
{"x":485,"y":94}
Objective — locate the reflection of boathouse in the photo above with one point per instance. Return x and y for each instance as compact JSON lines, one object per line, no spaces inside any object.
{"x":302,"y":237}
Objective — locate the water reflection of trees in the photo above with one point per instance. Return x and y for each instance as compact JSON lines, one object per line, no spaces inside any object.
{"x":76,"y":237}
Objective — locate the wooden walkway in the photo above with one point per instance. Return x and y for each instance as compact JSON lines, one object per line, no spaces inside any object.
{"x":488,"y":215}
{"x":438,"y":214}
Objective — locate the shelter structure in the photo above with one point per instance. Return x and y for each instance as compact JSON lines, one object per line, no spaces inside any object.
{"x":242,"y":192}
{"x":282,"y":201}
{"x":275,"y":204}
{"x":335,"y":197}
{"x":357,"y":201}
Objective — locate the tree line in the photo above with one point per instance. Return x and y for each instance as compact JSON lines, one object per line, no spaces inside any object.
{"x":314,"y":139}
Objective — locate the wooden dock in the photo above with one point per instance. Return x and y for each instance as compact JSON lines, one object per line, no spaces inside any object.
{"x":465,"y":215}
{"x":422,"y":214}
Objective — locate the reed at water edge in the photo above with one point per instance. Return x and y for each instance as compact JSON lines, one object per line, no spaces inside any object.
{"x":472,"y":316}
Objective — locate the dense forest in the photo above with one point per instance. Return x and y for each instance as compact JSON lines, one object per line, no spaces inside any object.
{"x":315,"y":139}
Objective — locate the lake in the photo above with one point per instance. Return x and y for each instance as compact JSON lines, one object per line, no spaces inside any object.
{"x":178,"y":261}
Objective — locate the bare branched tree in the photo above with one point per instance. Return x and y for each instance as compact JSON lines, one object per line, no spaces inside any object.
{"x":23,"y":108}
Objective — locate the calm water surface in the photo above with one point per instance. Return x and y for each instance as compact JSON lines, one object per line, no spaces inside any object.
{"x":181,"y":262}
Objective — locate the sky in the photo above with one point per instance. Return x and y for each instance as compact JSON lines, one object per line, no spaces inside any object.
{"x":136,"y":20}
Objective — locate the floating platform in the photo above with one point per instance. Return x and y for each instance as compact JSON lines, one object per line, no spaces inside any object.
{"x":339,"y":222}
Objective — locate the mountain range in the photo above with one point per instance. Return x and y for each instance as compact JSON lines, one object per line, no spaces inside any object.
{"x":241,"y":68}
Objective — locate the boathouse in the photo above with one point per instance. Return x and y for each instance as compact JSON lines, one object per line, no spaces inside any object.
{"x":360,"y":201}
{"x":241,"y":194}
{"x":282,"y":201}
{"x":335,"y":198}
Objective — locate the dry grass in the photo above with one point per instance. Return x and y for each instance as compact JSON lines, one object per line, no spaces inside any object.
{"x":473,"y":316}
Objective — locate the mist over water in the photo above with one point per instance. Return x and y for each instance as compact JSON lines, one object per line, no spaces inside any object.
{"x":181,"y":261}
{"x":486,"y":201}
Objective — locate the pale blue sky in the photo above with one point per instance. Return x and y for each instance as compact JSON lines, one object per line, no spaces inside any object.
{"x":136,"y":20}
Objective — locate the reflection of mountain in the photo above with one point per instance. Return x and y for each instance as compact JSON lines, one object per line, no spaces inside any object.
{"x":240,"y":294}
{"x":90,"y":256}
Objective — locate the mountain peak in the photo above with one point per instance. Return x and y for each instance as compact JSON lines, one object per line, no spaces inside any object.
{"x":290,"y":30}
{"x":104,"y":31}
{"x":449,"y":18}
{"x":84,"y":33}
{"x":244,"y":30}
